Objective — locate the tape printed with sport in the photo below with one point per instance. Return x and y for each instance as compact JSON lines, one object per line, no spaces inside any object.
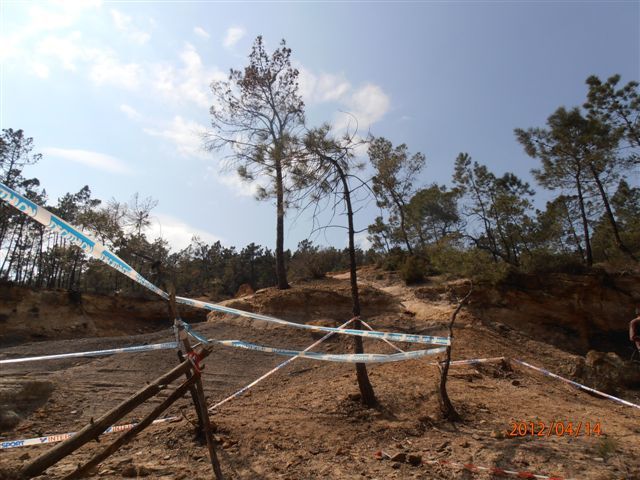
{"x":92,"y":247}
{"x":28,"y":442}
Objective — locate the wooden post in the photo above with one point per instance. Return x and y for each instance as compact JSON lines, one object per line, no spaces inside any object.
{"x":94,"y":429}
{"x":199,"y":402}
{"x":128,"y":436}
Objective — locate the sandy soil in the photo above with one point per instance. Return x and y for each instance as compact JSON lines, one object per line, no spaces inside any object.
{"x":306,"y":421}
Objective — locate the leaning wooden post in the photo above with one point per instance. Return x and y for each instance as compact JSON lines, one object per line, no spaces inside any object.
{"x":94,"y":429}
{"x":183,"y":338}
{"x":82,"y":471}
{"x":199,"y":402}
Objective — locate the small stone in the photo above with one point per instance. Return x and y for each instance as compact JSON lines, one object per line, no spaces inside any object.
{"x":228,"y":443}
{"x":143,"y":471}
{"x":442,"y":446}
{"x":395,"y":466}
{"x":515,"y":383}
{"x":475,"y":436}
{"x":598,"y":459}
{"x":399,"y":457}
{"x":129,"y":471}
{"x":24,"y":456}
{"x":415,"y":460}
{"x":355,"y":397}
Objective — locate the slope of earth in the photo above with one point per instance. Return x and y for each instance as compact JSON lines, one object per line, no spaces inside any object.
{"x":306,"y":422}
{"x":27,"y":314}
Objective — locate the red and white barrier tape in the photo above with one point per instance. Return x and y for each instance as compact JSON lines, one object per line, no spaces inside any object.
{"x":479,"y":469}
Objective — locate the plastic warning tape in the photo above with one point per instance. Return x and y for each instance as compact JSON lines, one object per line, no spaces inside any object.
{"x":94,"y":353}
{"x":92,"y":247}
{"x":343,"y":358}
{"x":398,"y":337}
{"x":274,"y":370}
{"x":28,"y":442}
{"x":497,"y":471}
{"x":327,"y":357}
{"x":576,"y":384}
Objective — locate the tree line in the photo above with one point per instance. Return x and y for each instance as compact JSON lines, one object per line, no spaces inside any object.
{"x":484,"y":221}
{"x":31,"y":255}
{"x":586,"y":154}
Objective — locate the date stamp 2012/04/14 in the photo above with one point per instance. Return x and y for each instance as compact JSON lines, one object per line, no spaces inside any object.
{"x":556,"y":428}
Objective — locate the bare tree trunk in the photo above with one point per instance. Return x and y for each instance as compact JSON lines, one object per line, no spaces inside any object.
{"x":612,"y":221}
{"x":573,"y":231}
{"x":366,"y":389}
{"x":281,"y":270}
{"x":446,"y":407}
{"x":585,"y":224}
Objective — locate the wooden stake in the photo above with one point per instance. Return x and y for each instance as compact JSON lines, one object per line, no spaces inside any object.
{"x":128,"y":436}
{"x":199,"y":402}
{"x":97,"y":427}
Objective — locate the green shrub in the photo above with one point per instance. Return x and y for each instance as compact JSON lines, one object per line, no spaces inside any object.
{"x":413,"y":270}
{"x":543,"y":261}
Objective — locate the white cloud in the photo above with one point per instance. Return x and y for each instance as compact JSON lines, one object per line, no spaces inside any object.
{"x":191,"y":82}
{"x":130,"y":112}
{"x":239,"y":187}
{"x":361,"y":240}
{"x":233,"y":36}
{"x":124,"y":23}
{"x":106,"y":69}
{"x":368,"y":105}
{"x":40,"y":69}
{"x":67,"y":50}
{"x":186,"y":135}
{"x":201,"y":32}
{"x":99,"y":161}
{"x":363,"y":106}
{"x":41,"y":18}
{"x":177,"y":232}
{"x":321,"y":88}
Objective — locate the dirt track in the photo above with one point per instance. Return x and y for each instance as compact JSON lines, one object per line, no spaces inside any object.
{"x":303,"y":423}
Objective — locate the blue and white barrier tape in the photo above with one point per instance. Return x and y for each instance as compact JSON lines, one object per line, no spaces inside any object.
{"x":95,"y":353}
{"x":274,"y":370}
{"x":27,"y":442}
{"x":343,"y":358}
{"x":576,"y":384}
{"x":92,"y":247}
{"x":398,"y":337}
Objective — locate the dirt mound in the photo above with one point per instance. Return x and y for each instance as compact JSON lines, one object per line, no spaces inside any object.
{"x":315,"y":300}
{"x":244,"y":290}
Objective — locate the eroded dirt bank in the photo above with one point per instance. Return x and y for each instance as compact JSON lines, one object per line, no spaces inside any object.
{"x":28,"y":315}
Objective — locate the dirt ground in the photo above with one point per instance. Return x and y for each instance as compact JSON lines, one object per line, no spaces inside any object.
{"x":306,"y":422}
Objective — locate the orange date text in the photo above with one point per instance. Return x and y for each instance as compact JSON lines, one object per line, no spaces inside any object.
{"x":555,"y":428}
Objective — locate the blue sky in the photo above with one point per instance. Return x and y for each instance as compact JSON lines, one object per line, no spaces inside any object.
{"x":115,"y":94}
